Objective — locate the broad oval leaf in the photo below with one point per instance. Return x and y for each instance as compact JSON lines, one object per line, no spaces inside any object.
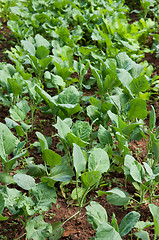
{"x":128,"y":222}
{"x":118,"y":197}
{"x":98,"y":161}
{"x":24,"y":181}
{"x":62,"y":173}
{"x":96,"y":214}
{"x":104,"y":136}
{"x":106,"y":231}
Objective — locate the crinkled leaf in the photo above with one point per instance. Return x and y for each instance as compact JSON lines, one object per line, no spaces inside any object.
{"x":139,"y":84}
{"x":37,"y":229}
{"x":71,"y":138}
{"x":57,"y":231}
{"x":82,"y":130}
{"x":69,"y":95}
{"x":44,"y":195}
{"x":11,"y":196}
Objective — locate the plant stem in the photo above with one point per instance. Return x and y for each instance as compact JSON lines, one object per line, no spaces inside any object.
{"x":71,"y":217}
{"x":21,"y":236}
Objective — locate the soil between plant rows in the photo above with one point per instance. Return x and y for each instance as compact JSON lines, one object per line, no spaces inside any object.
{"x":78,"y":229}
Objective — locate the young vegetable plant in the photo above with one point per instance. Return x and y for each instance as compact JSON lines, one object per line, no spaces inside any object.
{"x":37,"y":201}
{"x":9,"y":144}
{"x":98,"y":218}
{"x":143,"y":181}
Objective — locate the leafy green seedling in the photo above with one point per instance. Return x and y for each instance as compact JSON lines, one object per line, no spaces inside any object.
{"x":97,"y":217}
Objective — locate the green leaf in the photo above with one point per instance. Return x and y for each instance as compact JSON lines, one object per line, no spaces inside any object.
{"x":57,"y":231}
{"x":124,"y":77}
{"x":90,"y":178}
{"x":155,"y":213}
{"x":137,"y":172}
{"x":117,"y":197}
{"x":51,"y":157}
{"x":106,"y":231}
{"x":80,"y":191}
{"x":71,"y":138}
{"x":47,"y":98}
{"x":97,"y":76}
{"x":11,"y":196}
{"x":128,"y":223}
{"x":55,"y":80}
{"x":29,"y":47}
{"x":114,"y":223}
{"x":139,"y":84}
{"x":37,"y":229}
{"x":44,"y":62}
{"x":42,"y":52}
{"x":24,"y":181}
{"x":41,"y":41}
{"x":42,"y":140}
{"x":2,"y":203}
{"x":62,"y":173}
{"x":82,"y":130}
{"x":142,"y":235}
{"x":98,"y":161}
{"x":5,"y":178}
{"x":152,"y":118}
{"x":26,"y":204}
{"x":62,"y":127}
{"x":78,"y":159}
{"x":96,"y":214}
{"x":104,"y":136}
{"x":124,"y":61}
{"x":36,"y":170}
{"x":8,"y":140}
{"x":19,"y":111}
{"x":2,"y":218}
{"x":69,"y":95}
{"x":44,"y":196}
{"x":140,"y":225}
{"x":92,"y":112}
{"x":137,"y":109}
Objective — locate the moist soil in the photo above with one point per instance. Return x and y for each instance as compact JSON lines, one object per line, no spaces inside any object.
{"x":75,"y":229}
